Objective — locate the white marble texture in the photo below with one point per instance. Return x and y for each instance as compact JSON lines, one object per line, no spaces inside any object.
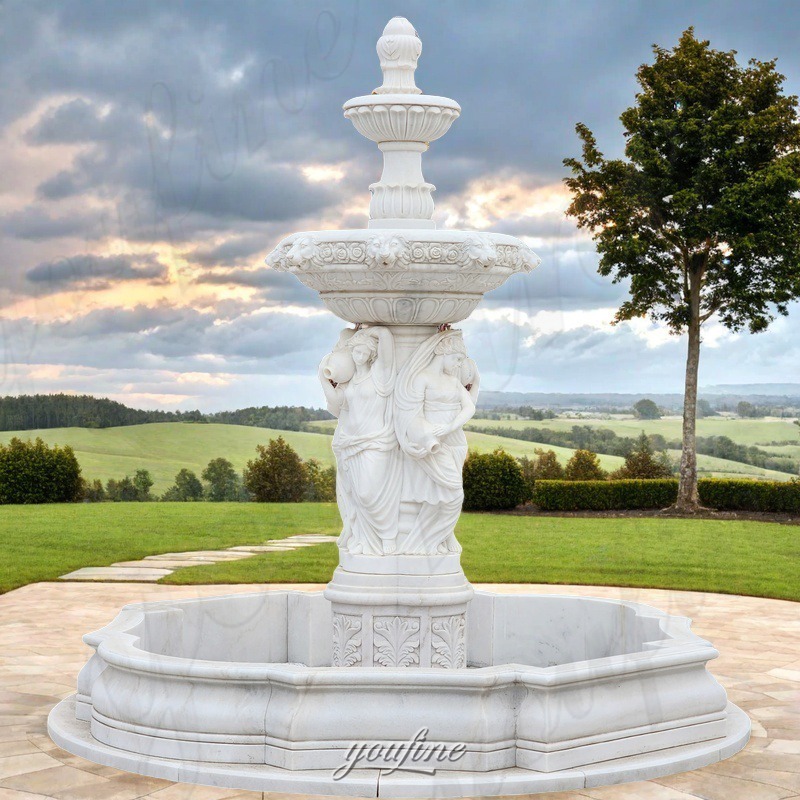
{"x":553,"y":684}
{"x":73,"y":735}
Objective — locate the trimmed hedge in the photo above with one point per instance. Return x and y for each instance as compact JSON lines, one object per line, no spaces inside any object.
{"x":493,"y":482}
{"x":719,"y":493}
{"x":742,"y":495}
{"x":604,"y":495}
{"x":32,"y":472}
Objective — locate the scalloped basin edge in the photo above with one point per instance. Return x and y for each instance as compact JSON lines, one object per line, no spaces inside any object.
{"x":553,"y":683}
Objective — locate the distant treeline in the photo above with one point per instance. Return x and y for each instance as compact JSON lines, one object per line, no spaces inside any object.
{"x":525,"y":412}
{"x":283,"y":418}
{"x":31,"y":412}
{"x":607,"y":442}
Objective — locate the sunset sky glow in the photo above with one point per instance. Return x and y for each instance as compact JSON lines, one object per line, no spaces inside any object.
{"x":153,"y":153}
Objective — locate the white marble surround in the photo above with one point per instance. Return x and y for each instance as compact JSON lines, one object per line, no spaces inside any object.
{"x":555,"y":686}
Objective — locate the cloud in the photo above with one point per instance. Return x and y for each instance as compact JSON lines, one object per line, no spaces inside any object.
{"x":91,"y":272}
{"x":200,"y":134}
{"x":35,"y":224}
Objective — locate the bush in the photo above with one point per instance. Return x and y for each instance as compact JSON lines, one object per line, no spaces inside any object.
{"x":584,"y":466}
{"x":223,"y":482}
{"x":320,"y":483}
{"x":32,"y":472}
{"x":130,"y":490}
{"x":277,"y":475}
{"x":94,"y":492}
{"x":493,"y":482}
{"x":748,"y":495}
{"x":604,"y":495}
{"x":187,"y":488}
{"x":719,"y":493}
{"x":642,"y":463}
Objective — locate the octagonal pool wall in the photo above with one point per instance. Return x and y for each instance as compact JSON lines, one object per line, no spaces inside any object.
{"x":553,"y":683}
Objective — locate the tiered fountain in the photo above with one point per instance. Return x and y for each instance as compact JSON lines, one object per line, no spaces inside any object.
{"x":315,"y":691}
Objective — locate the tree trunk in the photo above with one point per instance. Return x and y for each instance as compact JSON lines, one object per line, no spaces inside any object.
{"x":688,"y":498}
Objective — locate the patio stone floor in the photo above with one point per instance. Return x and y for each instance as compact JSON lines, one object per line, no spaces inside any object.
{"x":41,"y":653}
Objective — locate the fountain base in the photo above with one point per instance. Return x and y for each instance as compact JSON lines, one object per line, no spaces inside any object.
{"x":558,"y":693}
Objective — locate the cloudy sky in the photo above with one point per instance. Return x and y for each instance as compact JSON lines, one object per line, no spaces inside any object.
{"x":152,"y":153}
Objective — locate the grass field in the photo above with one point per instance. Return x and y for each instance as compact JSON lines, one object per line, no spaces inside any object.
{"x":743,"y":431}
{"x":164,"y":448}
{"x":756,"y":558}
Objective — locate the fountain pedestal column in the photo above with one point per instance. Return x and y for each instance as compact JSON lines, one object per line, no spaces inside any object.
{"x":399,"y":611}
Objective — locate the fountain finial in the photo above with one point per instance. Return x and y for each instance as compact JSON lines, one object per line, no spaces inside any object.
{"x":402,"y":122}
{"x":398,"y":49}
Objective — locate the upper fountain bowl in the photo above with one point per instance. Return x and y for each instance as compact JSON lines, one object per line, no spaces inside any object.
{"x":402,"y":117}
{"x":402,"y":277}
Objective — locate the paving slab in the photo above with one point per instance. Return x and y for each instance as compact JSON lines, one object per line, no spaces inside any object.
{"x":115,"y":574}
{"x":39,"y":658}
{"x":262,"y":548}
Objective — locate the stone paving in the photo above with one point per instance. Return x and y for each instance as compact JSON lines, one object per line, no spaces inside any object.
{"x":151,"y":568}
{"x":41,"y":653}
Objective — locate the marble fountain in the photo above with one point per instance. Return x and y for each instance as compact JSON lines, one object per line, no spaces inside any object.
{"x":399,"y":680}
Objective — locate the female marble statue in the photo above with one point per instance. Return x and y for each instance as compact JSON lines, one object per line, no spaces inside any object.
{"x":435,"y":395}
{"x":358,"y":380}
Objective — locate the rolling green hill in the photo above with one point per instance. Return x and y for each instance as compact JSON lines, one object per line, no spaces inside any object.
{"x":708,"y":466}
{"x":744,"y":431}
{"x":164,"y":448}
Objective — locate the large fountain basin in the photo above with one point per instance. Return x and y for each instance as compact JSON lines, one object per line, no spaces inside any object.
{"x":402,"y":277}
{"x":552,"y":683}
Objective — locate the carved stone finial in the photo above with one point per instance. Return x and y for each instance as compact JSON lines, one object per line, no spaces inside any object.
{"x":398,"y":49}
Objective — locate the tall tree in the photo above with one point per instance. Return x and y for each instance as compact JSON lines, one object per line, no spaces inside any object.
{"x":223,"y":482}
{"x":703,"y":214}
{"x":277,"y":475}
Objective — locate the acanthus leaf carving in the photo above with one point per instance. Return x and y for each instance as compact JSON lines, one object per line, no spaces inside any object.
{"x":448,"y":643}
{"x":346,"y":640}
{"x":396,"y":641}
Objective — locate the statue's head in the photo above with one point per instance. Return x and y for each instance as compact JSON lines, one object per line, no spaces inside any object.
{"x":363,"y":347}
{"x":452,"y":350}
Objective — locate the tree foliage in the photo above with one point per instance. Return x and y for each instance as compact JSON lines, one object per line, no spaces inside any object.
{"x":277,"y":474}
{"x":320,"y":482}
{"x":702,"y":216}
{"x":130,"y":490}
{"x":223,"y":481}
{"x":186,"y":489}
{"x":30,"y":412}
{"x":32,"y":472}
{"x":646,"y":409}
{"x":708,"y":190}
{"x":642,"y":463}
{"x":584,"y":466}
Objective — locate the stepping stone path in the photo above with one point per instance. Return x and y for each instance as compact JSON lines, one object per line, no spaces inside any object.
{"x":152,"y":568}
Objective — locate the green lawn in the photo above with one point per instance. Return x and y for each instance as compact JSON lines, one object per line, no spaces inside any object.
{"x":751,"y":558}
{"x":165,"y":448}
{"x":757,"y":558}
{"x":41,"y":542}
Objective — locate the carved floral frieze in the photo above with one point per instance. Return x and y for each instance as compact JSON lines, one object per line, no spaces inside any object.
{"x":390,"y":250}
